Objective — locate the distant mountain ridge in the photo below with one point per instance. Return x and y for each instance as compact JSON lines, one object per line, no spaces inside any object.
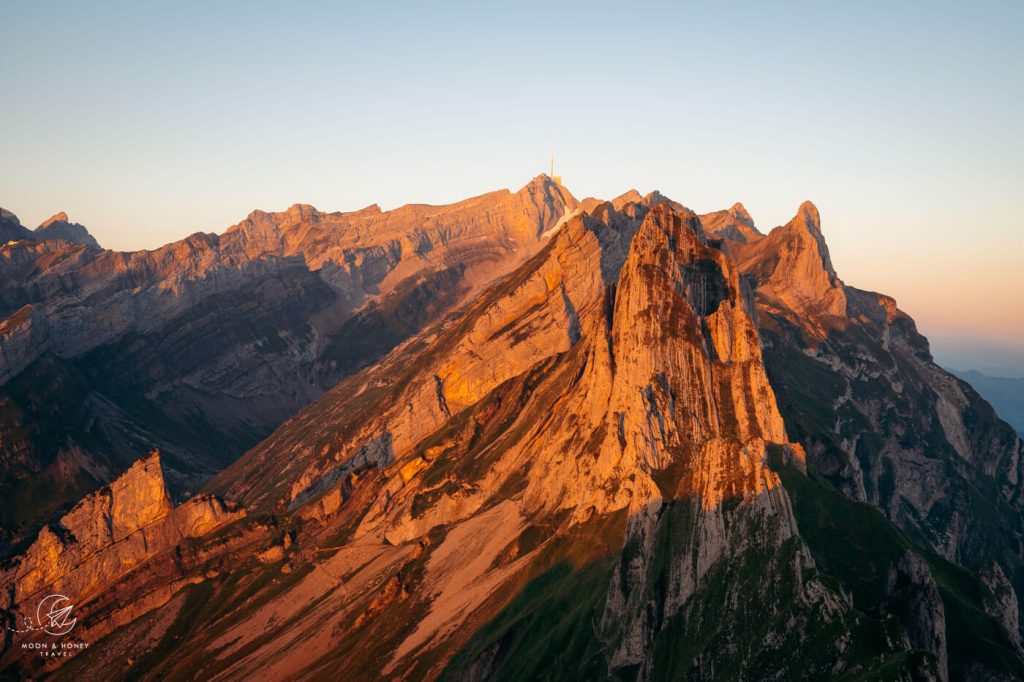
{"x":1005,"y":394}
{"x":994,"y":358}
{"x":55,"y":227}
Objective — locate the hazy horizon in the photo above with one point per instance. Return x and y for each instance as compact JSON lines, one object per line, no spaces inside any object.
{"x":900,"y":123}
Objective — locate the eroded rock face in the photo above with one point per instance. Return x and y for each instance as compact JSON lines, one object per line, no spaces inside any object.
{"x":794,"y":272}
{"x":57,"y":228}
{"x":202,"y":347}
{"x":18,"y":335}
{"x":11,"y":229}
{"x":1001,"y":601}
{"x":107,"y":534}
{"x":532,"y":315}
{"x":92,"y":297}
{"x":912,"y":587}
{"x":116,"y":557}
{"x":733,"y":224}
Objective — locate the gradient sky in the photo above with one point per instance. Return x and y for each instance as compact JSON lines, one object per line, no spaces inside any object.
{"x":903,"y":122}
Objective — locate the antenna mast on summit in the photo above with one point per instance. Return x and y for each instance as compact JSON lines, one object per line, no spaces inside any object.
{"x":554,"y":178}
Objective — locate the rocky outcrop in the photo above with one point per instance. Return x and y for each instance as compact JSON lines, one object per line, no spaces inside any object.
{"x":108,"y":534}
{"x":11,"y":229}
{"x":794,"y":272}
{"x":23,"y":337}
{"x":697,"y":413}
{"x":528,"y":317}
{"x":57,"y":228}
{"x":93,"y":297}
{"x":733,"y":224}
{"x":657,"y":408}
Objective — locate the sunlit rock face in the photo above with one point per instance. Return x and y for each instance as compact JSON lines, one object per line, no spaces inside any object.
{"x":794,"y":272}
{"x":668,"y":360}
{"x":202,"y":347}
{"x":633,"y":454}
{"x":103,"y":540}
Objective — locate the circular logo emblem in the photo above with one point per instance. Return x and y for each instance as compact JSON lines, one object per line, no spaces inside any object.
{"x":54,"y":615}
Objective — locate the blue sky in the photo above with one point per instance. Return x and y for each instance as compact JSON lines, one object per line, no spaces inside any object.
{"x":148,"y":121}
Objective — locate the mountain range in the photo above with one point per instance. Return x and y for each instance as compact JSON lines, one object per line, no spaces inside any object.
{"x":1006,"y":394}
{"x":517,"y":437}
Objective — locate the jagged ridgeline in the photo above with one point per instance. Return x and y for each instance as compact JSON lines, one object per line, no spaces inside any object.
{"x":647,"y":445}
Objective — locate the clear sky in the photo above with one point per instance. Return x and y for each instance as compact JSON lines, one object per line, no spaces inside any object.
{"x":902,"y":121}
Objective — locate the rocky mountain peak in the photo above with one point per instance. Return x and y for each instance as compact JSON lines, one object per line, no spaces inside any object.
{"x":793,"y":271}
{"x":60,"y":217}
{"x":655,"y":197}
{"x":629,"y":197}
{"x":108,"y":533}
{"x":807,"y":218}
{"x":732,"y":225}
{"x":590,"y":435}
{"x":546,"y":184}
{"x":56,"y":226}
{"x":59,"y":226}
{"x":739,"y":212}
{"x":540,"y":180}
{"x":139,"y":496}
{"x":11,"y":229}
{"x":302,"y":212}
{"x":807,"y":215}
